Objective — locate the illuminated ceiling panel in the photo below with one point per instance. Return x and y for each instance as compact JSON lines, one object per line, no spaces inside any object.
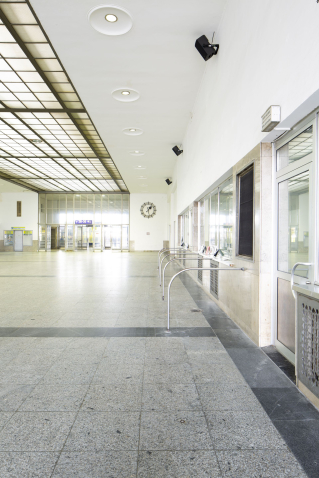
{"x":47,"y":139}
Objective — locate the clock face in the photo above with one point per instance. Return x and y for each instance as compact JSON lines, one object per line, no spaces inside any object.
{"x":148,"y":210}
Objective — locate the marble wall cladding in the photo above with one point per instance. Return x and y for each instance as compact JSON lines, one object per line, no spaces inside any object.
{"x":33,"y":248}
{"x":246,"y":296}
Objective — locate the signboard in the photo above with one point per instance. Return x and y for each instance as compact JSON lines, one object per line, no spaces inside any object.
{"x":83,"y":221}
{"x":15,"y":228}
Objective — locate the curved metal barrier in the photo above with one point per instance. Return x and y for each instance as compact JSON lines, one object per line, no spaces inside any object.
{"x":195,"y":269}
{"x":166,"y":249}
{"x":175,"y":259}
{"x":309,"y":264}
{"x":186,"y":253}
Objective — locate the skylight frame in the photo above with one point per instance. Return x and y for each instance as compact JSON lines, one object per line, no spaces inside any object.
{"x":31,"y":70}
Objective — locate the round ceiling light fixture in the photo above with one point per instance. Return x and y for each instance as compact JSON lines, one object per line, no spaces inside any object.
{"x":133,"y":131}
{"x":125,"y":94}
{"x":110,"y":20}
{"x":137,"y":153}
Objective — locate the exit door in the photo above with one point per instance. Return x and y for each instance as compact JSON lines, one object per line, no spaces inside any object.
{"x":18,"y":241}
{"x":84,"y":237}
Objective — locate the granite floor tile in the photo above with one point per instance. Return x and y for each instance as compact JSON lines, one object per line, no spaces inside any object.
{"x":174,"y":431}
{"x":65,"y":372}
{"x":113,"y":397}
{"x":168,"y":372}
{"x":178,"y":464}
{"x":13,"y":395}
{"x":243,"y":430}
{"x":27,"y":465}
{"x":36,"y":431}
{"x":204,"y":373}
{"x":110,"y":464}
{"x":113,"y":372}
{"x":101,"y":431}
{"x":220,"y":395}
{"x":172,"y":396}
{"x":259,"y":464}
{"x":49,"y":398}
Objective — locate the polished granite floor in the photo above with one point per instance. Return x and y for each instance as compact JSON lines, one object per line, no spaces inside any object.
{"x":91,"y":384}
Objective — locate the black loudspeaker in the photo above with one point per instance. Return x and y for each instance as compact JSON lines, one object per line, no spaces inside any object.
{"x":206,"y":49}
{"x":177,"y":151}
{"x":168,"y":181}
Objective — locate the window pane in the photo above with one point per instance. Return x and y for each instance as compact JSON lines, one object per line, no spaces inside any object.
{"x":226,"y":218}
{"x":296,"y":149}
{"x":293,"y":223}
{"x":213,"y":223}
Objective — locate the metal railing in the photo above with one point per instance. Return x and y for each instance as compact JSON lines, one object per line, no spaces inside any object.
{"x":185,"y":254}
{"x":176,"y":259}
{"x":194,"y":269}
{"x":166,"y":249}
{"x":309,"y":264}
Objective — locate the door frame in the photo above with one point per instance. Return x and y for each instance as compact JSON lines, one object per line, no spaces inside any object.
{"x":308,"y":163}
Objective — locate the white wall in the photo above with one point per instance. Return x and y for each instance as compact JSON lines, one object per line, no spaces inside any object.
{"x":267,"y":56}
{"x":156,"y":226}
{"x":9,"y":195}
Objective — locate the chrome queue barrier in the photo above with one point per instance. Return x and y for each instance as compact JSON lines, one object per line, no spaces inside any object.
{"x":309,"y":264}
{"x":176,"y":259}
{"x":185,"y":254}
{"x":195,"y":269}
{"x":166,"y":249}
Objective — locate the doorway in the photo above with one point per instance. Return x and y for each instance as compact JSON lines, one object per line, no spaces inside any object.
{"x":116,"y":237}
{"x":83,"y":237}
{"x":295,"y":219}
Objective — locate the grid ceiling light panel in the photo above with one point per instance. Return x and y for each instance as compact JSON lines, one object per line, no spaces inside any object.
{"x":47,"y":139}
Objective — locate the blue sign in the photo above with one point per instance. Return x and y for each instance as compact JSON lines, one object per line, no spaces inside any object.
{"x":83,"y":221}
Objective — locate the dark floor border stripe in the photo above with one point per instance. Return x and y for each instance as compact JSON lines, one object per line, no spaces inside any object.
{"x":106,"y":332}
{"x":295,"y":418}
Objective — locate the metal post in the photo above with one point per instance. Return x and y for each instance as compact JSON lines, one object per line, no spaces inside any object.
{"x":175,"y":259}
{"x":194,"y":269}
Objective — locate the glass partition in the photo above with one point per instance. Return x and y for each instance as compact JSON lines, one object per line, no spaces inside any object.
{"x":226,"y":218}
{"x":297,"y":148}
{"x":293,"y":222}
{"x":90,"y":210}
{"x":214,"y":220}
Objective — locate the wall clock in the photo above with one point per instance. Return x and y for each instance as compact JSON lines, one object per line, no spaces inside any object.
{"x":148,"y":210}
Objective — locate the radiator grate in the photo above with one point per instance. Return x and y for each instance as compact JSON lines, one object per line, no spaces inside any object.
{"x":214,"y":279}
{"x":200,"y":273}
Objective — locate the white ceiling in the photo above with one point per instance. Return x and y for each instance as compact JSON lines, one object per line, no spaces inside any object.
{"x":156,"y":57}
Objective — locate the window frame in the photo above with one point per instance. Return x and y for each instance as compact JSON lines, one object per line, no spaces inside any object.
{"x":241,"y":173}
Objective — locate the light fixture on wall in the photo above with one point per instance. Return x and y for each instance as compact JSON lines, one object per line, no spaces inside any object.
{"x":177,"y":151}
{"x":168,"y":181}
{"x":205,"y":48}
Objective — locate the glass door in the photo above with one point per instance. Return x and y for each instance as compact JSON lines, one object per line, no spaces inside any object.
{"x":48,"y":239}
{"x":295,"y":231}
{"x":116,"y":237}
{"x":107,"y":237}
{"x":125,"y":238}
{"x":61,"y":237}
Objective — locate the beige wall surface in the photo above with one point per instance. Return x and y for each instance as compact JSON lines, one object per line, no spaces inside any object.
{"x":246,"y":296}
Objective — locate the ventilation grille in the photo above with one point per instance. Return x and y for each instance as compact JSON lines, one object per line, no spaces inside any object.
{"x":200,"y":273}
{"x":214,"y":279}
{"x":19,"y":208}
{"x":310,"y":344}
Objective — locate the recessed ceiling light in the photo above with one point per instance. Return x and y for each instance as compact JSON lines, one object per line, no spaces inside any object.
{"x":133,"y":131}
{"x":111,"y":18}
{"x":139,"y":166}
{"x":125,"y":94}
{"x":137,"y":153}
